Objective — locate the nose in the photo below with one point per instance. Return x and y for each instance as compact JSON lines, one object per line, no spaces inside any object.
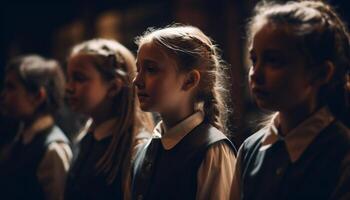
{"x":138,"y":80}
{"x":69,"y":88}
{"x":256,"y":75}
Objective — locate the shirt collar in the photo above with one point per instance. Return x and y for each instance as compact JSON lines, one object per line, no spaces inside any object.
{"x":298,"y":139}
{"x":40,"y":124}
{"x":171,"y":137}
{"x":104,"y":130}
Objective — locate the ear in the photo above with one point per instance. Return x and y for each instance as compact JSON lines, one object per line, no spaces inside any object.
{"x":191,"y":80}
{"x":38,"y":98}
{"x":325,"y":74}
{"x":115,"y":87}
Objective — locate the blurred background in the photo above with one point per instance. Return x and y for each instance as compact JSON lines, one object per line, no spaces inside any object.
{"x":51,"y":29}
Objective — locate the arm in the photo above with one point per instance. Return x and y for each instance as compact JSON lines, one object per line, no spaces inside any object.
{"x":215,"y":174}
{"x":236,"y":187}
{"x":342,"y":191}
{"x":53,"y":168}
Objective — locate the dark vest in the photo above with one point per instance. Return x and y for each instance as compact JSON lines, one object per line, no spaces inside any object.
{"x":18,"y":173}
{"x":83,"y":181}
{"x":172,"y":174}
{"x":270,"y":174}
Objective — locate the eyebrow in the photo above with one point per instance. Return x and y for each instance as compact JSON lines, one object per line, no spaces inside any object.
{"x":149,"y":62}
{"x":267,"y":51}
{"x":146,"y":62}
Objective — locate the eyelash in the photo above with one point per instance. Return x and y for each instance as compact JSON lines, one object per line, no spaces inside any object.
{"x":267,"y":60}
{"x":78,"y":78}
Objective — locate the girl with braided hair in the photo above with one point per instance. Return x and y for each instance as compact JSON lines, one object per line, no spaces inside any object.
{"x":189,"y":157}
{"x":300,"y":69}
{"x":100,"y":74}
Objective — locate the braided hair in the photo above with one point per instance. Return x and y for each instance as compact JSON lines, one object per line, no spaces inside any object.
{"x":114,"y":61}
{"x":322,"y":37}
{"x":192,"y":49}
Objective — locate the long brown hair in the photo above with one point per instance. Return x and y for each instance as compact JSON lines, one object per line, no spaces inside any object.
{"x":322,"y":37}
{"x":192,"y":49}
{"x":114,"y":61}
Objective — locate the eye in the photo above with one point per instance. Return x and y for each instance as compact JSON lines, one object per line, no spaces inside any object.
{"x":151,"y":69}
{"x":253,"y":60}
{"x":275,"y":61}
{"x":79,"y":77}
{"x":271,"y":59}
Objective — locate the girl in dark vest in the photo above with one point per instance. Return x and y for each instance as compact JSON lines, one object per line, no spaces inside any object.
{"x":189,"y":157}
{"x":100,"y":86}
{"x":300,"y":67}
{"x":35,"y":165}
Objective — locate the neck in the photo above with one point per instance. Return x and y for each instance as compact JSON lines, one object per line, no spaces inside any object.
{"x":103,"y":114}
{"x":170,"y":119}
{"x":292,"y":118}
{"x":30,"y":120}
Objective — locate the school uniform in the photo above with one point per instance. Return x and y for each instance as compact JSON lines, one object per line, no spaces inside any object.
{"x":36,"y":163}
{"x":84,"y":181}
{"x":311,"y":162}
{"x":192,"y":160}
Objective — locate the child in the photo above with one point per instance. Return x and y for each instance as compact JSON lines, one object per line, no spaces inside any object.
{"x":100,"y":86}
{"x":300,"y":55}
{"x":189,"y":157}
{"x":35,"y":164}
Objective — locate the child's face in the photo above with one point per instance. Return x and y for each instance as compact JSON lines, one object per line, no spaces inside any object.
{"x":159,"y":84}
{"x":17,"y":102}
{"x":87,"y":91}
{"x":279,"y":80}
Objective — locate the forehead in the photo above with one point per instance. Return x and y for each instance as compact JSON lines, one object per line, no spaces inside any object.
{"x":151,"y":52}
{"x":83,"y":62}
{"x":274,"y":36}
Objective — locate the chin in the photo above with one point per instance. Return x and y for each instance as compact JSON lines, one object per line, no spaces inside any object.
{"x":267,"y":106}
{"x":145,"y":107}
{"x":78,"y":109}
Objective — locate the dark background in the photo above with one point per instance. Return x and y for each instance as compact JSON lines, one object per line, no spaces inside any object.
{"x":52,"y":28}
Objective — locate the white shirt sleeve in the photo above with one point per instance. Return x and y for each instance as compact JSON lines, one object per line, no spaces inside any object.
{"x":215,"y":174}
{"x":53,"y":169}
{"x":236,"y":187}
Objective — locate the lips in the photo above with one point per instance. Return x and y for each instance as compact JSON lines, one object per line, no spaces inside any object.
{"x":72,"y":101}
{"x":142,"y":96}
{"x":259,"y":93}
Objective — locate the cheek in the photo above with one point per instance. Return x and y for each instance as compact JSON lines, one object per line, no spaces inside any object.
{"x":95,"y":92}
{"x":163,"y":92}
{"x":278,"y":81}
{"x":289,"y":89}
{"x":17,"y":106}
{"x":168,"y":88}
{"x":86,"y":96}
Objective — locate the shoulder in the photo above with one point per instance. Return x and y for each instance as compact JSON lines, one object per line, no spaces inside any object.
{"x":254,"y":140}
{"x":250,"y":145}
{"x":141,"y":138}
{"x":220,"y":153}
{"x":341,"y":129}
{"x":208,"y":136}
{"x":58,"y":148}
{"x":58,"y":154}
{"x":56,"y":135}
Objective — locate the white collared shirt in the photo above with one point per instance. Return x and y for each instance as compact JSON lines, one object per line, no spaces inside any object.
{"x":107,"y":128}
{"x":297,"y":140}
{"x":215,"y":174}
{"x":53,"y":168}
